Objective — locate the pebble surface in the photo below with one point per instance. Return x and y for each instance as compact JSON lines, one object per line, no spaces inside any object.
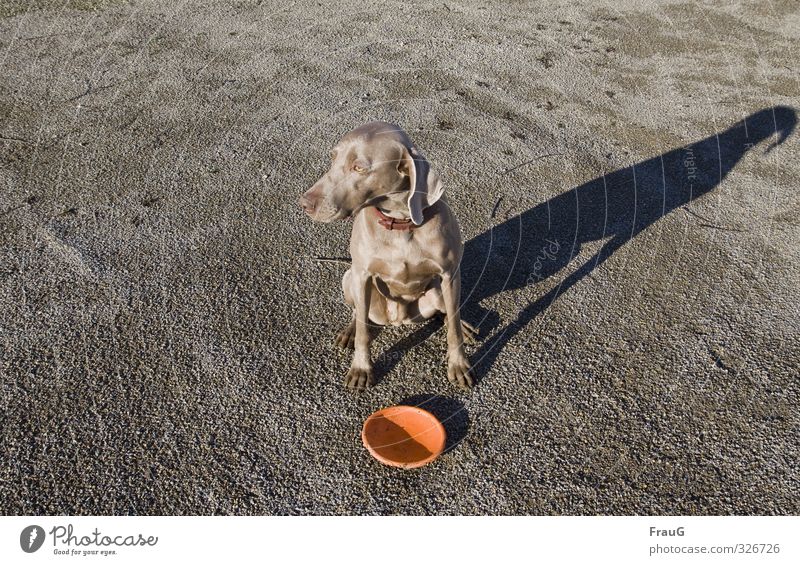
{"x":166,"y":336}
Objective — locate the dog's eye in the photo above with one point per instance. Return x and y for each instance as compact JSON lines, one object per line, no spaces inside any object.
{"x":359,"y":169}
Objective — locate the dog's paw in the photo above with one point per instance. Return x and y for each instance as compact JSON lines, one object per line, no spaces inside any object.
{"x":459,"y":372}
{"x":359,"y":379}
{"x":347,"y":336}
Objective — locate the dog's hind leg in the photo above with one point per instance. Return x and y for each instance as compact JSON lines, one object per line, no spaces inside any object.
{"x":432,"y":303}
{"x":347,"y":335}
{"x":470,"y":332}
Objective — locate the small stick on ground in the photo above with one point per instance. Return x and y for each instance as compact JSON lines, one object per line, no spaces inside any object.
{"x":344,"y":260}
{"x":707,"y":223}
{"x":514,"y":168}
{"x":496,"y":206}
{"x":16,"y":139}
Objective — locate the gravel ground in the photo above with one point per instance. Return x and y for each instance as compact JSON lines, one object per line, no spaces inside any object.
{"x":166,"y":333}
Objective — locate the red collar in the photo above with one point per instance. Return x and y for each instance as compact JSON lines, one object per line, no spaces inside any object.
{"x":390,"y":223}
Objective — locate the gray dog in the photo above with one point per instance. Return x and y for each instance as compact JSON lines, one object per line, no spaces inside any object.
{"x":406,"y":243}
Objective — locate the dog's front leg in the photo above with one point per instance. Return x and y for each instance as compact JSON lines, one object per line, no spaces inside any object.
{"x":360,"y":374}
{"x":459,"y":370}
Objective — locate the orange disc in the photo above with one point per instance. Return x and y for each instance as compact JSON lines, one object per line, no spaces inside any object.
{"x":403,"y":436}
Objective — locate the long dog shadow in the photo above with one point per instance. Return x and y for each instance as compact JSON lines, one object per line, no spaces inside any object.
{"x":614,"y":208}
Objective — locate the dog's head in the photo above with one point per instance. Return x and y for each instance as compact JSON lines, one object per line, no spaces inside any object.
{"x":375,"y":164}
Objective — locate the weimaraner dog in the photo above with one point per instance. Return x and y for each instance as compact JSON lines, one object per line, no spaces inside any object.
{"x":405,"y":245}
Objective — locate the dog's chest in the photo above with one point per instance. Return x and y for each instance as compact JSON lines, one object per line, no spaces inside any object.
{"x":404,"y":271}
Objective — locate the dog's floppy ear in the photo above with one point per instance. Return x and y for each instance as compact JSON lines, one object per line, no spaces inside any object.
{"x":425,"y":188}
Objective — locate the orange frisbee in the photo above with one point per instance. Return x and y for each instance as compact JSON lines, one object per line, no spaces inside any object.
{"x":403,"y":436}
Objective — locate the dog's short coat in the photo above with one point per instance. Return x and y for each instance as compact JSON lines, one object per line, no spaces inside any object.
{"x":406,"y":253}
